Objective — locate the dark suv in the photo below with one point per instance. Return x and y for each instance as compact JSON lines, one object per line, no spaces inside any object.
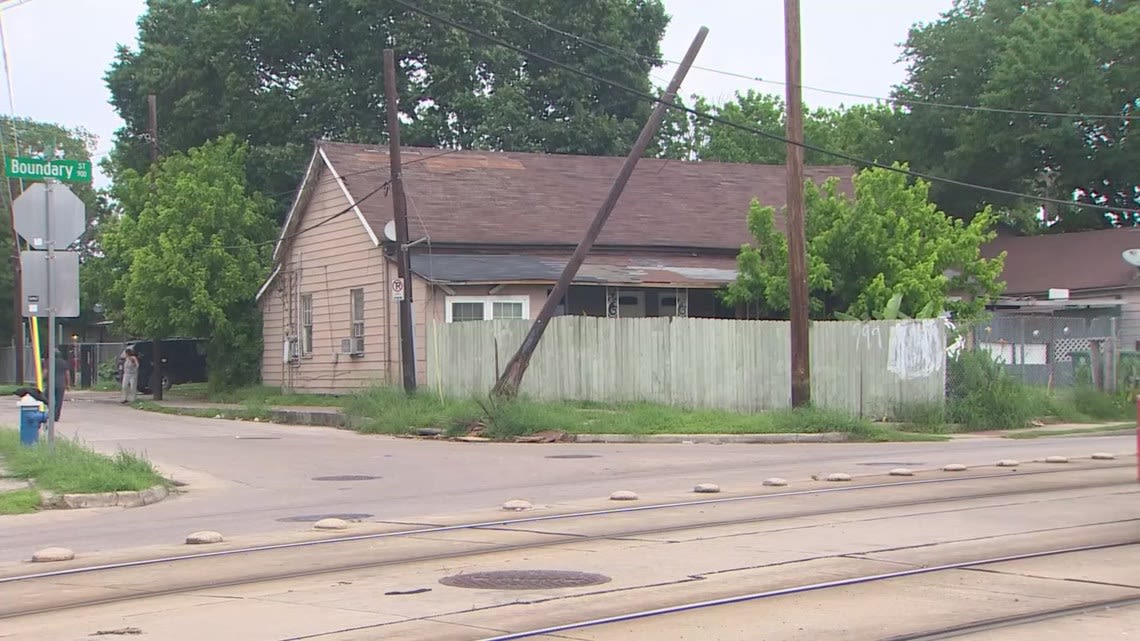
{"x":183,"y":361}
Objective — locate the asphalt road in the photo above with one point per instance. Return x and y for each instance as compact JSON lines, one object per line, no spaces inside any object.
{"x":242,"y":477}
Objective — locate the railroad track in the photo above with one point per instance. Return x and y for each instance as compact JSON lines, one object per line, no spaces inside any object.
{"x":187,"y":573}
{"x":972,"y":627}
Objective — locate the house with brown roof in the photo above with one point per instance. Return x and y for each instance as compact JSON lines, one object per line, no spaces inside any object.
{"x":490,"y":234}
{"x":1061,"y":290}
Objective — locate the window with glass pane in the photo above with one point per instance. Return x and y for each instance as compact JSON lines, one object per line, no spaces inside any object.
{"x":466,"y":312}
{"x":357,"y":297}
{"x":507,"y":310}
{"x":306,"y":323}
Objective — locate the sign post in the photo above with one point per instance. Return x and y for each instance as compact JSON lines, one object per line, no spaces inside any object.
{"x":47,"y":215}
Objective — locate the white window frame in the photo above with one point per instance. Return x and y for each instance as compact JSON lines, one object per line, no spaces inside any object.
{"x":488,"y":303}
{"x":356,"y":326}
{"x":306,"y":324}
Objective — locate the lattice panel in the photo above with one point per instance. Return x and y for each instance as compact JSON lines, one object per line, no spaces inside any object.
{"x":1064,"y":347}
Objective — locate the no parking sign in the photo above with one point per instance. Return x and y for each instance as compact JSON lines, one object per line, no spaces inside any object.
{"x":398,"y":289}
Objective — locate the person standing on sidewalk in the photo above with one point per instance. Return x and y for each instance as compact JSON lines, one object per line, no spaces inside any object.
{"x":62,"y":380}
{"x":130,"y":375}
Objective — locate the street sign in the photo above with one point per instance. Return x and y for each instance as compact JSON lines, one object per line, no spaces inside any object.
{"x":78,"y":171}
{"x":398,"y":289}
{"x":49,"y":212}
{"x":64,"y":287}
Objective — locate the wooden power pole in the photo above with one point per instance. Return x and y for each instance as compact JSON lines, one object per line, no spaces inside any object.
{"x":797,"y":245}
{"x":400,"y":212}
{"x":156,"y":348}
{"x":508,"y":384}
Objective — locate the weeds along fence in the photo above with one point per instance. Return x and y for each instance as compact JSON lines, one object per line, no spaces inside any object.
{"x":93,"y":363}
{"x":866,"y":369}
{"x":1055,"y":351}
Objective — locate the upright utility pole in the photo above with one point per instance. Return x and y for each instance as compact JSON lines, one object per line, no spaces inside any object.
{"x":797,"y":245}
{"x":156,"y":349}
{"x":400,"y":210}
{"x":508,"y":384}
{"x":17,"y":268}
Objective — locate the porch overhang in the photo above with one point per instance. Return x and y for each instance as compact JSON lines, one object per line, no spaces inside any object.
{"x":516,"y":269}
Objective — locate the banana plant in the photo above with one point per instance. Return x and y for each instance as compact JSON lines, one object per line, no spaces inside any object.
{"x":893,"y":311}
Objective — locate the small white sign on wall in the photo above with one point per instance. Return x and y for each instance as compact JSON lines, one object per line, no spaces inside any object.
{"x":398,"y":289}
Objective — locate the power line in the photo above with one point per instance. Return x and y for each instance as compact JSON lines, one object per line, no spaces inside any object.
{"x":633,"y":56}
{"x":315,"y":225}
{"x":753,"y":130}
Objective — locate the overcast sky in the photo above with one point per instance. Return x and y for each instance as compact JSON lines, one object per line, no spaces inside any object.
{"x":59,"y":50}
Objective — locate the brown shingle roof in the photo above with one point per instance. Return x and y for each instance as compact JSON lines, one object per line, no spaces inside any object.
{"x":1076,"y":261}
{"x":496,"y":198}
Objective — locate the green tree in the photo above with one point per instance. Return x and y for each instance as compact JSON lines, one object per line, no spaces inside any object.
{"x":188,"y":252}
{"x":1055,"y":56}
{"x":887,"y":251}
{"x":279,"y":73}
{"x":863,"y":131}
{"x":34,"y":138}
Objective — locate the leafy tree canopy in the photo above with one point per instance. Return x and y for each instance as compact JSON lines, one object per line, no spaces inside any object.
{"x":867,"y":252}
{"x":1056,"y":56}
{"x":25,"y":137}
{"x":188,"y":253}
{"x":863,"y":131}
{"x":279,"y":73}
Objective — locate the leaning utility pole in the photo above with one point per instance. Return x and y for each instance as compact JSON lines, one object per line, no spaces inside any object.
{"x":156,"y":348}
{"x":508,"y":384}
{"x":400,"y":211}
{"x":797,"y":245}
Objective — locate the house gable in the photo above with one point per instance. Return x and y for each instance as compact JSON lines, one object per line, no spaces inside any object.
{"x":296,"y":220}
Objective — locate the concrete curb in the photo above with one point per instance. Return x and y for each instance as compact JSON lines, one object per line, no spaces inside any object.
{"x":104,"y":499}
{"x":317,"y":417}
{"x":714,"y":439}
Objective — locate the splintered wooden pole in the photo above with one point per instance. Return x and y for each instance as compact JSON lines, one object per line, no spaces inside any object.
{"x":511,"y":378}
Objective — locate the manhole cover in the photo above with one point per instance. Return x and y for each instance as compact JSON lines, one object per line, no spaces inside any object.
{"x":574,"y":456}
{"x":313,"y":518}
{"x":892,"y":464}
{"x":524,"y":580}
{"x":346,"y":477}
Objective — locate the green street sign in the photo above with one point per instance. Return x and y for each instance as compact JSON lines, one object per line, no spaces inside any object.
{"x":76,"y":171}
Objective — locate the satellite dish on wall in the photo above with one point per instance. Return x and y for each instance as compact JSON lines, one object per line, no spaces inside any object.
{"x":1131,"y":256}
{"x":390,"y":232}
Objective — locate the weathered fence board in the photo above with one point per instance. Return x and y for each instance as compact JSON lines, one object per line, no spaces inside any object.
{"x":863,"y":368}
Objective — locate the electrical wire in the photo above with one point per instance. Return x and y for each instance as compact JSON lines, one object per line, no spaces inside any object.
{"x":633,"y":56}
{"x":728,"y":123}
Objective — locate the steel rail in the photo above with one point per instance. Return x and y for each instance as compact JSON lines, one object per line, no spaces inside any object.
{"x":800,"y":589}
{"x":555,"y":540}
{"x":499,"y":523}
{"x":1016,"y":620}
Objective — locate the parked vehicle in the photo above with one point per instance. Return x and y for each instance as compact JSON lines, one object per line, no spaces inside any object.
{"x":183,"y":361}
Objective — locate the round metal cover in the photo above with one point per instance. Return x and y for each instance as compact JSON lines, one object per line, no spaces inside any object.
{"x":313,"y":518}
{"x":574,"y":456}
{"x":892,"y":464}
{"x":346,"y":477}
{"x":524,"y":580}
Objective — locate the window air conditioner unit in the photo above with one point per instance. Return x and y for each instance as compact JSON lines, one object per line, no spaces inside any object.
{"x":352,"y":346}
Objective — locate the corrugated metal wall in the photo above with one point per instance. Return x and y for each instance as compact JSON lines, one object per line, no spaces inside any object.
{"x":864,"y":368}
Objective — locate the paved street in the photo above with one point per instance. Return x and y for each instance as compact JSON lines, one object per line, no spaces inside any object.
{"x":242,"y":477}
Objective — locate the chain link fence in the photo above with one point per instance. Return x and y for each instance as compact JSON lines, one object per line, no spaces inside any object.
{"x":92,"y":363}
{"x":1053,"y":351}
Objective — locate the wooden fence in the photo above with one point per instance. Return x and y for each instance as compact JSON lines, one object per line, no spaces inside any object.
{"x":864,"y":368}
